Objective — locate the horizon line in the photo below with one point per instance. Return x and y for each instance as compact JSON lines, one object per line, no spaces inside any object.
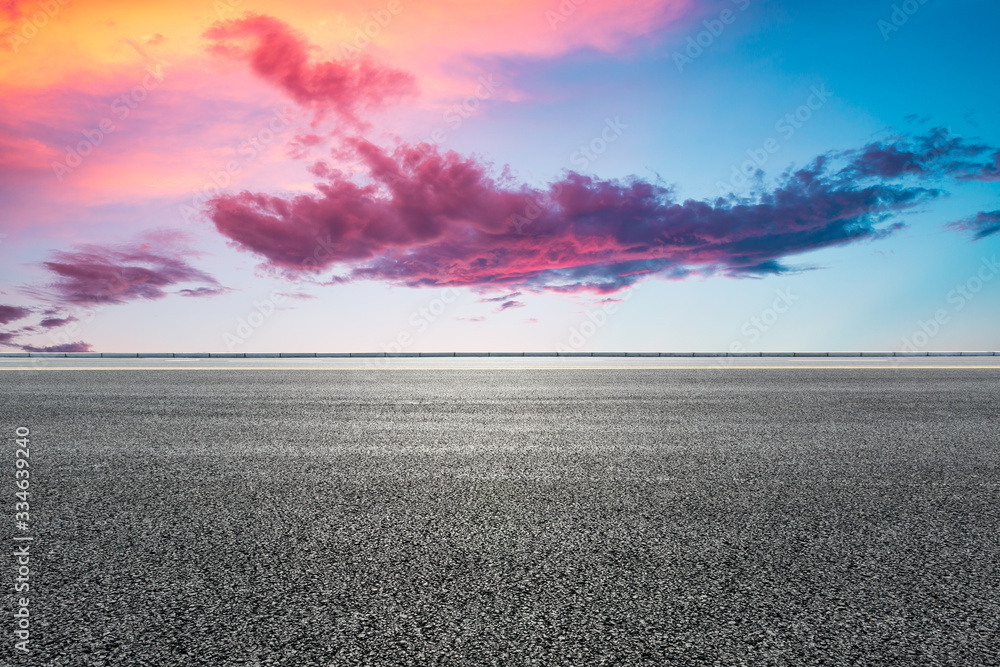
{"x":415,"y":355}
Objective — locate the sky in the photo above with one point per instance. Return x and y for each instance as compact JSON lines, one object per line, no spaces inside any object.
{"x":518,"y":175}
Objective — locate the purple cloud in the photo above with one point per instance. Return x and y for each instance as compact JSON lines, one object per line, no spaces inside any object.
{"x":10,"y":313}
{"x":78,"y":346}
{"x":54,"y":322}
{"x":426,"y":218}
{"x":937,"y":154}
{"x":92,"y":274}
{"x":986,"y":173}
{"x":496,"y":299}
{"x":204,"y":291}
{"x":981,"y":225}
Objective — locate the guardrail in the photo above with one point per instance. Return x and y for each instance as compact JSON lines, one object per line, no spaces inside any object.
{"x":379,"y":355}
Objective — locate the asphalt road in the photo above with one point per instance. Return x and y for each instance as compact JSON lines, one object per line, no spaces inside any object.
{"x":509,"y":516}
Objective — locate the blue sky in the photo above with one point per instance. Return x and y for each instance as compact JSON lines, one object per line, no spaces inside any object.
{"x":103,"y":260}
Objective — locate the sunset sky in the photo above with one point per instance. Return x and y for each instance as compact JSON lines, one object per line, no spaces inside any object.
{"x":446,"y":175}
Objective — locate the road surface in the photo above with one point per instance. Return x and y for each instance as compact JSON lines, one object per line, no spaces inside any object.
{"x":508,"y":512}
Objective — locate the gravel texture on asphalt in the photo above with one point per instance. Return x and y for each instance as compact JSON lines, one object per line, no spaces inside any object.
{"x":509,"y":517}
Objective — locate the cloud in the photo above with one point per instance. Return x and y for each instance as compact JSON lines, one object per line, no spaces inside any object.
{"x":102,"y":275}
{"x":55,"y":322}
{"x":985,"y":173}
{"x":92,"y":276}
{"x":281,"y":55}
{"x":11,"y":9}
{"x":297,"y":295}
{"x":418,"y":217}
{"x":936,"y":154}
{"x":204,"y":291}
{"x":298,"y":147}
{"x":505,"y":297}
{"x":982,"y":224}
{"x":471,"y":319}
{"x":10,"y":313}
{"x":78,"y":346}
{"x":507,"y":305}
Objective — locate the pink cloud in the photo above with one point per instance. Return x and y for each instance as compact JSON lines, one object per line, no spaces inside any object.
{"x":11,"y":313}
{"x":280,"y":55}
{"x":298,"y":147}
{"x":11,"y":9}
{"x":92,"y":274}
{"x":95,"y":275}
{"x":420,"y":217}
